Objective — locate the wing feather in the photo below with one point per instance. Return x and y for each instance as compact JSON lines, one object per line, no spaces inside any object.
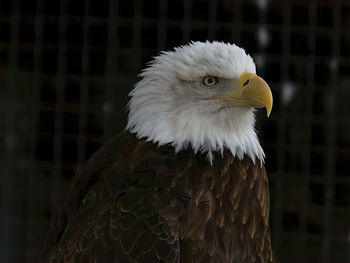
{"x":111,"y":212}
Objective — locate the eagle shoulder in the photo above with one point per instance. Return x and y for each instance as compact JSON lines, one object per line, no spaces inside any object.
{"x":109,"y":212}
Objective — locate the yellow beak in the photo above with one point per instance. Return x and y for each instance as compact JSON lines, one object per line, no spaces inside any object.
{"x":253,"y":91}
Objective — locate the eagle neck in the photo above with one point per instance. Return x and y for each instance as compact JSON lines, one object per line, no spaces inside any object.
{"x":232,"y":129}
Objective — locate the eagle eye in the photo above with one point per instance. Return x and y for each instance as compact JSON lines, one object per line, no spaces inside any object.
{"x":210,"y":81}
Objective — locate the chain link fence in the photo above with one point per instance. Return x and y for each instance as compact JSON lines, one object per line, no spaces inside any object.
{"x":66,"y":68}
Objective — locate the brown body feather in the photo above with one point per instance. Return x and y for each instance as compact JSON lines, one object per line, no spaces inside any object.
{"x":136,"y":202}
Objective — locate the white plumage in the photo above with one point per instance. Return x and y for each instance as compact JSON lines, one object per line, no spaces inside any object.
{"x":171,"y":105}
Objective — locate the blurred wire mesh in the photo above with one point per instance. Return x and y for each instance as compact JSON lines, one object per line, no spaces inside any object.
{"x":66,"y":68}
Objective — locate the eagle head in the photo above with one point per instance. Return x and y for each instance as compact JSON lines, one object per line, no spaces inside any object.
{"x":201,"y":95}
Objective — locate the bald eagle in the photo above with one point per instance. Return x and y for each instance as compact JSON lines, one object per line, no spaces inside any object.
{"x":185,"y":181}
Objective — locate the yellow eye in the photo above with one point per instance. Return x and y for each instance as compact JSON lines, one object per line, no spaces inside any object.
{"x":210,"y":81}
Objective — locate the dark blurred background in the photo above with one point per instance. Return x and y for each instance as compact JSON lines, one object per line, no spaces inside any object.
{"x":66,"y":68}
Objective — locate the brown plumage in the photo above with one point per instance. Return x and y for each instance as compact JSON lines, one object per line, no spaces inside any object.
{"x":134,"y":201}
{"x":178,"y":195}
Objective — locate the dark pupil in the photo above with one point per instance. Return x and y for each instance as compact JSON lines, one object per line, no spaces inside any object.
{"x":210,"y":80}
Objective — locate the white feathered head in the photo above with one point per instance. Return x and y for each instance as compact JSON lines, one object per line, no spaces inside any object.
{"x":203,"y":96}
